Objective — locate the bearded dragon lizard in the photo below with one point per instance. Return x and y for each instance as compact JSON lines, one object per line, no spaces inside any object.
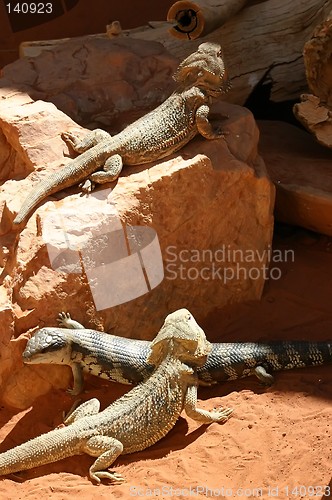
{"x":139,"y":418}
{"x":159,"y":133}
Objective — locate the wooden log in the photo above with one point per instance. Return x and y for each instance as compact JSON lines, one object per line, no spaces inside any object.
{"x":262,"y":43}
{"x":199,"y":18}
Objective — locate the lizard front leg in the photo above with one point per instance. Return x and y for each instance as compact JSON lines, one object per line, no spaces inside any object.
{"x":65,"y":321}
{"x":78,"y":379}
{"x":204,"y":416}
{"x":204,"y":127}
{"x":91,"y":139}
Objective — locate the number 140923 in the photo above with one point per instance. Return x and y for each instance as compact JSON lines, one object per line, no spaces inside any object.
{"x":29,"y":8}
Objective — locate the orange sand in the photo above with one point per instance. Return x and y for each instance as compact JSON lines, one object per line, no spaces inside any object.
{"x":277,"y":443}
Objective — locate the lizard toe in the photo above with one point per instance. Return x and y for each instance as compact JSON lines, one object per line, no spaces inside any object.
{"x":223,"y":414}
{"x":114,"y":477}
{"x":70,"y":138}
{"x":87,"y":186}
{"x":73,"y":391}
{"x":63,"y":318}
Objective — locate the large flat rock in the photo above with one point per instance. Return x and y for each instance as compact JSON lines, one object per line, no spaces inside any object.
{"x":302,"y":172}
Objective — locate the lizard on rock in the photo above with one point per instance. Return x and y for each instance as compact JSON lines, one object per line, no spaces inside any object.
{"x":127,"y":360}
{"x":159,"y":133}
{"x":138,"y":419}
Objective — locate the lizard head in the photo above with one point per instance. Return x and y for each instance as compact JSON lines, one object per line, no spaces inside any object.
{"x":181,"y":337}
{"x":205,"y":69}
{"x":47,"y":346}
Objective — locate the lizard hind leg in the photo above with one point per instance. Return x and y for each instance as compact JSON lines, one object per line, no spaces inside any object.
{"x":77,"y":378}
{"x":91,"y":139}
{"x":111,"y":171}
{"x":107,"y":449}
{"x":264,"y":377}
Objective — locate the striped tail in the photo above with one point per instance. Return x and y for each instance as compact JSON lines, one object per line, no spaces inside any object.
{"x":230,"y":361}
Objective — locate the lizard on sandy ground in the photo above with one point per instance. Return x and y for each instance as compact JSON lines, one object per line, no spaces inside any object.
{"x":138,"y":419}
{"x":127,"y":360}
{"x":157,"y":134}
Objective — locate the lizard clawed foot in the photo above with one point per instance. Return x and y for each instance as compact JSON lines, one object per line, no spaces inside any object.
{"x":113,"y":476}
{"x":222,"y":414}
{"x":74,"y":391}
{"x":63,"y":319}
{"x":70,"y":138}
{"x":87,"y":186}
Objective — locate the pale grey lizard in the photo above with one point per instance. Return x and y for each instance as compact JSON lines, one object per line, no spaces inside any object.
{"x":159,"y":133}
{"x":139,"y":418}
{"x":126,"y":360}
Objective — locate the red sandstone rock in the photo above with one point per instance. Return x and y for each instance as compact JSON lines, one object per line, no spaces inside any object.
{"x":302,"y":172}
{"x":212,"y":195}
{"x":315,"y":116}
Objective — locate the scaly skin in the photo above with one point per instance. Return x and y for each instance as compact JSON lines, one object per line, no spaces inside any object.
{"x":139,"y":418}
{"x":126,"y":360}
{"x":159,"y":133}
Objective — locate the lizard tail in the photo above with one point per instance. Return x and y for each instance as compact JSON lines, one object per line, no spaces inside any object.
{"x":229,"y":361}
{"x":42,"y":450}
{"x":49,"y":186}
{"x":298,"y":354}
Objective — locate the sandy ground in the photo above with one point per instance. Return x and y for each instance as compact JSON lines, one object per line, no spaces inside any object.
{"x":277,"y":443}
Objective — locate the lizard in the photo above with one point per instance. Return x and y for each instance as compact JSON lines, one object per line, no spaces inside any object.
{"x":138,"y":419}
{"x":125,"y":360}
{"x":161,"y":132}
